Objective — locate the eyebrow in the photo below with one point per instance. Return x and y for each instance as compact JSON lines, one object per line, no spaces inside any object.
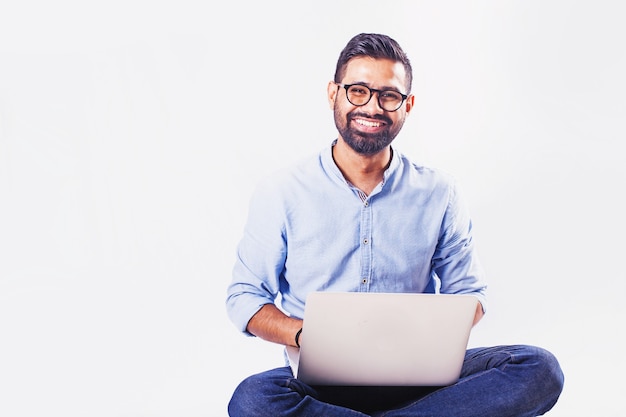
{"x":384,"y":88}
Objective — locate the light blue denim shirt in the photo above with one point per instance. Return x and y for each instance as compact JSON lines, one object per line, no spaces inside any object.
{"x":308,"y":229}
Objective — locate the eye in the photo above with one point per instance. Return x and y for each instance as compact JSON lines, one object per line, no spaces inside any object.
{"x":390,"y":95}
{"x":359,"y":90}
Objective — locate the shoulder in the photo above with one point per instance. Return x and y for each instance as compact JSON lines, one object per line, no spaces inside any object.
{"x":295,"y":171}
{"x":283,"y":182}
{"x":421,"y":175}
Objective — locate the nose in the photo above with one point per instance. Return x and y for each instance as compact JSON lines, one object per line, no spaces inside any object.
{"x":373,"y":106}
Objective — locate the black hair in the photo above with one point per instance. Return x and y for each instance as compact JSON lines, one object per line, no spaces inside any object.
{"x":375,"y":46}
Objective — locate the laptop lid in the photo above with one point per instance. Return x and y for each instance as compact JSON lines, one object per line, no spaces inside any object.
{"x":383,"y":339}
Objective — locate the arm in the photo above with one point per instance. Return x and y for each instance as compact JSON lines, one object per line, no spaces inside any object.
{"x":271,"y":324}
{"x":260,"y":261}
{"x":479,"y":313}
{"x":455,"y":261}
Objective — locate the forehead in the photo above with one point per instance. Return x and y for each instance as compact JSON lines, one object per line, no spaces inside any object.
{"x":375,"y":72}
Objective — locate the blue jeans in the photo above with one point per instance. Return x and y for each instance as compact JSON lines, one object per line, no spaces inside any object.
{"x":497,"y":381}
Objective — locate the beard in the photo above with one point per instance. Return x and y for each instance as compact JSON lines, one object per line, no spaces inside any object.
{"x":366,"y":143}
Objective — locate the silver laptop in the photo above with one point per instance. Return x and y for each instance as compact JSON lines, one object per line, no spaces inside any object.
{"x":383,"y":339}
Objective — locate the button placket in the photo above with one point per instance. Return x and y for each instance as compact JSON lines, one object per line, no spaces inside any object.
{"x":365,"y":245}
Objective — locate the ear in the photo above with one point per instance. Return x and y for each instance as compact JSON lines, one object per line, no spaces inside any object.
{"x":409,"y":103}
{"x":331,"y":91}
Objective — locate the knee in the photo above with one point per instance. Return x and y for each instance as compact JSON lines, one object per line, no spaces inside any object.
{"x":248,"y":386}
{"x":548,"y":373}
{"x":245,"y":398}
{"x":262,"y":394}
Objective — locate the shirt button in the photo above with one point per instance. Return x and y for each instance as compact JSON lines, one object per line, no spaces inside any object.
{"x":364,"y":281}
{"x":366,"y":241}
{"x":366,"y":203}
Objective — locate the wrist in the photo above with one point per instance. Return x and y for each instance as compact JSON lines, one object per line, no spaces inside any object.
{"x":297,"y":337}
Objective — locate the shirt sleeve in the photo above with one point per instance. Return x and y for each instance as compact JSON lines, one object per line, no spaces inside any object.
{"x":260,"y":259}
{"x":455,"y":261}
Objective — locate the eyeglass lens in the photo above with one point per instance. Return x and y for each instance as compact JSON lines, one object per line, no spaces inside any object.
{"x":388,"y":100}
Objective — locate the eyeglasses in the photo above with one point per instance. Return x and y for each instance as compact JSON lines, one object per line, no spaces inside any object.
{"x":360,"y":95}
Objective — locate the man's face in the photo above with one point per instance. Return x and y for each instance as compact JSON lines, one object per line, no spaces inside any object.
{"x":369,"y":129}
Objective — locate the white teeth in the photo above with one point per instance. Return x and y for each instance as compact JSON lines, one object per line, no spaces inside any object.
{"x":367,"y":123}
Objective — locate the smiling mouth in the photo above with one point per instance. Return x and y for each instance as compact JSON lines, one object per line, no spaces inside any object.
{"x":368,"y":123}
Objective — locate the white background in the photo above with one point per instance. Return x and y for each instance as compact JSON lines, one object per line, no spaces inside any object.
{"x":133,"y":132}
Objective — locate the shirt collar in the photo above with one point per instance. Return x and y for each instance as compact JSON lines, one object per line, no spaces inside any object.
{"x":330,"y":166}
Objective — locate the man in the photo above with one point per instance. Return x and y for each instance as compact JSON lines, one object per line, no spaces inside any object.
{"x":361,"y":217}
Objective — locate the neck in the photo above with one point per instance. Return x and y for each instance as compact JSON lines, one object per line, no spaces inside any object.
{"x":363,"y":171}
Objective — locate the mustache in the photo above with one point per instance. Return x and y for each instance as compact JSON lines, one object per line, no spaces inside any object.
{"x":364,"y":115}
